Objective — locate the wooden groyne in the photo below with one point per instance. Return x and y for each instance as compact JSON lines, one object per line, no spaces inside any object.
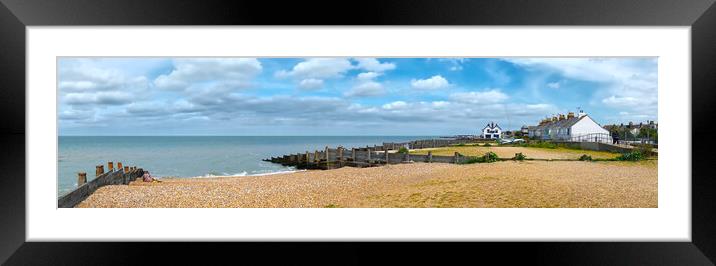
{"x":331,"y":158}
{"x":122,"y":175}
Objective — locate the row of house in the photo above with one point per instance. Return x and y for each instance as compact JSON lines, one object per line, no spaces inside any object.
{"x":569,"y":127}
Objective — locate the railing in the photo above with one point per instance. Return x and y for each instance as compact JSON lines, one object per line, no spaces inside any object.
{"x":592,"y":137}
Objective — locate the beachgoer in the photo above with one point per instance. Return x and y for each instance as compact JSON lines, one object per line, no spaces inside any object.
{"x":147,"y":177}
{"x":615,"y":138}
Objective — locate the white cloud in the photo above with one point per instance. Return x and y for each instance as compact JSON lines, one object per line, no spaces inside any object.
{"x":311,"y":84}
{"x":628,"y":85}
{"x":366,"y":86}
{"x":366,"y":89}
{"x":440,"y":104}
{"x":227,"y":71}
{"x":480,"y":97}
{"x":372,"y":64}
{"x":368,"y":75}
{"x":318,"y":68}
{"x":102,"y":97}
{"x":553,"y":85}
{"x":73,"y":114}
{"x":395,"y":105}
{"x":432,"y":83}
{"x":620,"y":101}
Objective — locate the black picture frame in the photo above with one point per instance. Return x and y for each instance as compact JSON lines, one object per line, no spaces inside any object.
{"x":15,"y":15}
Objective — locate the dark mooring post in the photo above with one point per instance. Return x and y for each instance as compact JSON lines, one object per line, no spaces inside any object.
{"x":457,"y":157}
{"x":316,"y":156}
{"x":99,"y":170}
{"x":308,"y":157}
{"x":110,"y":166}
{"x":430,"y":156}
{"x":81,"y":178}
{"x":353,"y":154}
{"x":387,"y":161}
{"x":368,"y":156}
{"x":340,"y":154}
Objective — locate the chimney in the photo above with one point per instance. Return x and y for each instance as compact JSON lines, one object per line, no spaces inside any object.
{"x":561,"y":117}
{"x":581,"y":113}
{"x":570,"y":115}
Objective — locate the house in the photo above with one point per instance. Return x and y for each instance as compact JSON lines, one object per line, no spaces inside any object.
{"x":491,"y":131}
{"x":570,"y":128}
{"x":525,"y":130}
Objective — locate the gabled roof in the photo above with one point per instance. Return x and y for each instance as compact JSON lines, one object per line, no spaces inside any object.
{"x":491,"y":125}
{"x":564,"y":123}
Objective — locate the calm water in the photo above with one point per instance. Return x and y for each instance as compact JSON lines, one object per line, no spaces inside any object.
{"x":192,"y":156}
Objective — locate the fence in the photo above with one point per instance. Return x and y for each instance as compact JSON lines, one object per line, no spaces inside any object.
{"x":120,"y":176}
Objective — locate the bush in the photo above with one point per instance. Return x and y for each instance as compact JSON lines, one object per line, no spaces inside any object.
{"x":645,"y":149}
{"x":631,"y":156}
{"x":487,"y":145}
{"x":472,"y":160}
{"x":403,"y":150}
{"x":585,"y":157}
{"x":490,"y":157}
{"x":519,"y":156}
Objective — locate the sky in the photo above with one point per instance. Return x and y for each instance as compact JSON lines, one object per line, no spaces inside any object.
{"x":344,"y":96}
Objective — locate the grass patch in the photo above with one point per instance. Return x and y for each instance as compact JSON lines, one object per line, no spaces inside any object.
{"x":331,"y":206}
{"x":403,"y":150}
{"x":631,"y":156}
{"x":519,"y":157}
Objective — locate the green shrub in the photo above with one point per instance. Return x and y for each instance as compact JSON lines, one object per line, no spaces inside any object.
{"x":487,"y":145}
{"x":631,"y":156}
{"x":519,"y":156}
{"x":472,"y":160}
{"x":331,"y":206}
{"x":646,"y":150}
{"x":403,"y":150}
{"x":585,"y":157}
{"x":490,"y":157}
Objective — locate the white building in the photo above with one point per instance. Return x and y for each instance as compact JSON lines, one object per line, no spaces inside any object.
{"x":491,"y":131}
{"x":570,"y":128}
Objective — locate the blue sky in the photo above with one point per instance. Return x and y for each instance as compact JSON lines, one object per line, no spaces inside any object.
{"x":345,"y":96}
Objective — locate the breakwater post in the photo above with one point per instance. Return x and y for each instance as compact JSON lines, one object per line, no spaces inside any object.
{"x":81,"y":178}
{"x":120,"y":176}
{"x":370,"y":156}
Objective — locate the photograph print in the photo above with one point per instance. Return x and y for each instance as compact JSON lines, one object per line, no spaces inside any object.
{"x":342,"y":132}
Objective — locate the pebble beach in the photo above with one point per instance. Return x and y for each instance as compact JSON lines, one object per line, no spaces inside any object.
{"x":509,"y":184}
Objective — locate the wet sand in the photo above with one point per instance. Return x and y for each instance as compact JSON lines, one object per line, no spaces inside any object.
{"x":502,"y":184}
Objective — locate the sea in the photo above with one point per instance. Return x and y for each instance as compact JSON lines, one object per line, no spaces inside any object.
{"x":194,"y":156}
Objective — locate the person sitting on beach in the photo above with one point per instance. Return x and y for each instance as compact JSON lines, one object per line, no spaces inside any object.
{"x":148,"y":178}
